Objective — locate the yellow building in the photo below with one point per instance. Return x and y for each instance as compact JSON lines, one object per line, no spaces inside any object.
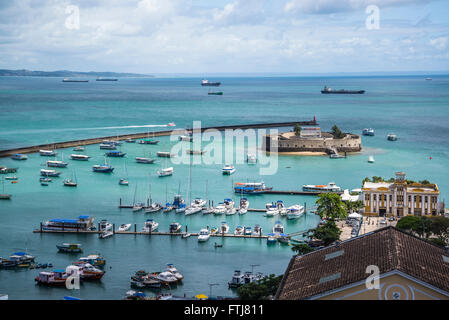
{"x":399,"y":198}
{"x":407,"y":268}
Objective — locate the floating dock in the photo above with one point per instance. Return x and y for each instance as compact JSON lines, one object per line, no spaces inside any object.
{"x":74,"y":143}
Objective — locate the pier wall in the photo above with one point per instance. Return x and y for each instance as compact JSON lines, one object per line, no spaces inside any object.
{"x":74,"y":143}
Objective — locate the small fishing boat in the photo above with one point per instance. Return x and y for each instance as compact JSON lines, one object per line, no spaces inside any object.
{"x":224,"y":228}
{"x":175,"y":227}
{"x":371,"y":159}
{"x":45,"y":184}
{"x":228,"y":169}
{"x":185,"y":235}
{"x":144,"y":160}
{"x":368,"y":132}
{"x":278,"y":228}
{"x":79,"y":157}
{"x":69,"y":247}
{"x":257,"y":230}
{"x":392,"y":137}
{"x":148,"y":141}
{"x":216,"y":245}
{"x":271,"y":238}
{"x":238,"y":230}
{"x":283,"y":238}
{"x":47,"y":153}
{"x":214,"y":230}
{"x":295,"y":211}
{"x":138,"y":206}
{"x":150,"y":226}
{"x":130,"y":140}
{"x":49,"y":173}
{"x":204,"y":235}
{"x":165,"y":172}
{"x":195,"y":152}
{"x":215,"y":93}
{"x":124,"y":227}
{"x":115,"y":154}
{"x":69,"y":183}
{"x":78,"y":148}
{"x":123,"y":182}
{"x":171,"y":268}
{"x":88,"y":272}
{"x":57,"y":278}
{"x":14,"y":178}
{"x":19,"y":156}
{"x":56,"y":164}
{"x":93,"y":259}
{"x":45,"y":180}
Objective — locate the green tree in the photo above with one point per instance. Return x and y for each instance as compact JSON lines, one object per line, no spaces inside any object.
{"x":330,"y":206}
{"x":297,"y":129}
{"x":377,"y":179}
{"x":337,"y":133}
{"x":423,"y":228}
{"x":353,"y":206}
{"x":301,"y":248}
{"x":424,"y":182}
{"x":366,"y":180}
{"x":260,"y":290}
{"x":439,"y":226}
{"x":409,"y":223}
{"x":328,"y":233}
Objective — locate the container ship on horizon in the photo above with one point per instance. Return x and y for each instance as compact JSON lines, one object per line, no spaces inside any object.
{"x":72,"y":80}
{"x":205,"y":82}
{"x":327,"y":90}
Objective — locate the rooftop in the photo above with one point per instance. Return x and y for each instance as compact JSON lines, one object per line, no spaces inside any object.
{"x":343,"y":264}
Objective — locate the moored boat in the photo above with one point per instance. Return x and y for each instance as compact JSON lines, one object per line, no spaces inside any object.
{"x":207,"y":83}
{"x":69,"y":247}
{"x":175,"y":227}
{"x":165,"y":172}
{"x":103,"y":168}
{"x":204,"y":235}
{"x":83,"y":223}
{"x":368,"y":132}
{"x":93,"y":259}
{"x":144,"y":160}
{"x":164,"y":154}
{"x":150,"y":226}
{"x":295,"y":211}
{"x":50,"y":173}
{"x":278,"y":228}
{"x":251,"y":187}
{"x":228,"y":169}
{"x":47,"y":153}
{"x":57,"y":278}
{"x":171,"y":268}
{"x":19,"y":156}
{"x":79,"y":157}
{"x":115,"y":154}
{"x":56,"y":163}
{"x":237,"y":280}
{"x":224,"y":228}
{"x":392,"y":137}
{"x":331,"y":187}
{"x":124,"y":227}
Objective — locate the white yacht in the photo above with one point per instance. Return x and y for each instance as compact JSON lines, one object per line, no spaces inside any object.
{"x":228,"y":169}
{"x":56,"y":164}
{"x":281,"y":208}
{"x":251,"y":158}
{"x":224,"y":228}
{"x":105,"y":226}
{"x":331,"y":187}
{"x":79,"y":157}
{"x":244,"y":204}
{"x":192,"y":210}
{"x":257,"y":230}
{"x":124,"y":227}
{"x":271,"y":210}
{"x":220,"y":209}
{"x":295,"y":211}
{"x":150,"y":225}
{"x":138,"y":207}
{"x":47,"y":153}
{"x":171,"y":268}
{"x":204,"y":235}
{"x":239,"y":230}
{"x":238,"y":279}
{"x":371,"y":159}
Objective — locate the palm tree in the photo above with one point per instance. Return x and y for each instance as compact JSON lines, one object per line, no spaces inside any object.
{"x":297,"y":129}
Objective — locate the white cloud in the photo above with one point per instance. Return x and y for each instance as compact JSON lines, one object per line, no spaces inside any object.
{"x":439,"y":43}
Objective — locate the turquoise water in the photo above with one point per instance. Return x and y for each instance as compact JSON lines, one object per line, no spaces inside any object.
{"x":41,"y":110}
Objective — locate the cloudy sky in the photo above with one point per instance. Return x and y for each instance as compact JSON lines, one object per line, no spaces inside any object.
{"x":209,"y":36}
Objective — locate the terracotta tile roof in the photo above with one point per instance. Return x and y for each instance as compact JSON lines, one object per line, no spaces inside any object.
{"x":343,"y":264}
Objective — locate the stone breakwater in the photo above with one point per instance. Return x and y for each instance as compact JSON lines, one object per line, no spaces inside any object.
{"x":289,"y":142}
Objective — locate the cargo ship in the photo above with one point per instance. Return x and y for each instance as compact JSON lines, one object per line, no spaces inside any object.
{"x":205,"y":82}
{"x":106,"y":79}
{"x":327,"y":90}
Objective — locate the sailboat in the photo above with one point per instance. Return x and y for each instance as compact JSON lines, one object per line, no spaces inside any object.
{"x":124,"y":181}
{"x":153,"y":207}
{"x":168,"y":206}
{"x":137,"y":206}
{"x":71,"y":182}
{"x":3,"y":195}
{"x":371,"y":159}
{"x":195,"y":206}
{"x":209,"y":209}
{"x":165,"y":171}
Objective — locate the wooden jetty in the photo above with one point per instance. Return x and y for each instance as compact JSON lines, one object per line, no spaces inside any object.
{"x":300,"y":193}
{"x":74,"y":143}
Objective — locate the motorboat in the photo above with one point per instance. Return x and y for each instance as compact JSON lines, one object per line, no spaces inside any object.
{"x":102,"y":168}
{"x":214,"y":230}
{"x":204,"y":235}
{"x":93,"y":259}
{"x":153,"y":207}
{"x":165,"y":277}
{"x":115,"y":154}
{"x":138,"y":206}
{"x":168,"y":207}
{"x":50,"y":173}
{"x":164,"y":154}
{"x":242,"y":210}
{"x":144,"y":160}
{"x":330,"y":187}
{"x":251,"y":158}
{"x":278,"y":228}
{"x":105,"y":226}
{"x":368,"y":132}
{"x":79,"y":157}
{"x":69,"y":183}
{"x":336,"y":156}
{"x":106,"y":234}
{"x":228,"y":169}
{"x":13,"y":178}
{"x":257,"y":230}
{"x":198,"y":202}
{"x":281,"y":208}
{"x":244,"y":203}
{"x":271,"y":210}
{"x":171,"y":124}
{"x":83,"y":223}
{"x":56,"y":163}
{"x":295,"y":211}
{"x":47,"y":153}
{"x":171,"y":268}
{"x":220,"y":209}
{"x":271,"y":239}
{"x":88,"y":272}
{"x":207,"y":210}
{"x":45,"y":179}
{"x":123,"y":182}
{"x":175,"y":227}
{"x":130,"y":140}
{"x":371,"y":159}
{"x":238,"y":230}
{"x":181,"y":208}
{"x":19,"y":156}
{"x":392,"y":137}
{"x":150,"y":226}
{"x":238,"y":279}
{"x":247,"y":231}
{"x":148,"y":141}
{"x":224,"y":228}
{"x":229,"y":204}
{"x":283,"y":238}
{"x":165,"y":172}
{"x":195,"y":152}
{"x":108,"y":146}
{"x":124,"y":227}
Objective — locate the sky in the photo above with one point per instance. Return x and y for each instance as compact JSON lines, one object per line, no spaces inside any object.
{"x":227,"y":36}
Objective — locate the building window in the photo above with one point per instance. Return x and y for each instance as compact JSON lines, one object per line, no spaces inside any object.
{"x":391,"y":198}
{"x":425,"y":199}
{"x":414,"y":198}
{"x":409,"y":198}
{"x":375,"y":197}
{"x":367,"y":196}
{"x":409,"y":211}
{"x":425,"y":211}
{"x":419,"y":198}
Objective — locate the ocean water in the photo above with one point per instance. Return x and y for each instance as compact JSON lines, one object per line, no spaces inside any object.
{"x":41,"y":110}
